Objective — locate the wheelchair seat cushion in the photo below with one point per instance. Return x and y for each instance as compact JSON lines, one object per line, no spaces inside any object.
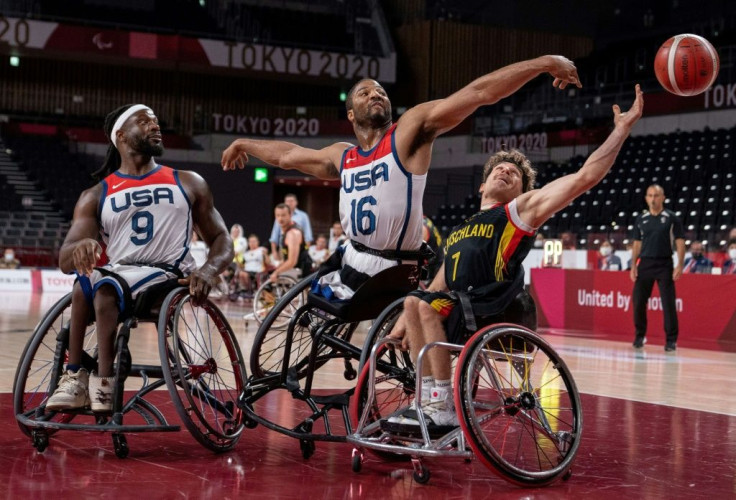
{"x":371,"y":297}
{"x":522,"y":311}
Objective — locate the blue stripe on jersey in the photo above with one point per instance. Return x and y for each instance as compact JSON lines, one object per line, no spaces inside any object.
{"x":395,"y":154}
{"x":127,"y":176}
{"x":407,"y":212}
{"x":188,"y":232}
{"x":145,"y":280}
{"x":178,"y":261}
{"x":342,"y":161}
{"x":370,"y":151}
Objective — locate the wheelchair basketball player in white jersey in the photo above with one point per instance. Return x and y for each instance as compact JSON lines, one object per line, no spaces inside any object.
{"x":144,"y":213}
{"x":382,"y":179}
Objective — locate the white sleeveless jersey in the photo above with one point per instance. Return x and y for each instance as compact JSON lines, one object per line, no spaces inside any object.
{"x":380,"y":202}
{"x":254,"y":261}
{"x":146,"y":219}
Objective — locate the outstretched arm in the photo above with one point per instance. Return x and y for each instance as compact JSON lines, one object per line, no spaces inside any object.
{"x":536,"y":206}
{"x":422,"y":124}
{"x":321,"y":163}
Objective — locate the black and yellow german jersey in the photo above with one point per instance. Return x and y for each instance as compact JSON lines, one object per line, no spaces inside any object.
{"x":303,"y":261}
{"x":488,"y":247}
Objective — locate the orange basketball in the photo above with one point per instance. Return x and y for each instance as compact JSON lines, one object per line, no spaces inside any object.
{"x":686,"y":65}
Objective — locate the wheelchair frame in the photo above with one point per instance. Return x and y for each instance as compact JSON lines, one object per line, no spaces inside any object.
{"x":283,"y":284}
{"x":189,"y":370}
{"x":514,"y":398}
{"x":328,"y":329}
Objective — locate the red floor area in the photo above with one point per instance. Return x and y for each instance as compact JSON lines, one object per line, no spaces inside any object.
{"x":629,"y":450}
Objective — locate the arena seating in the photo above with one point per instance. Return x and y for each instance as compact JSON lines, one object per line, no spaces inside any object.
{"x":336,"y":25}
{"x":696,"y":170}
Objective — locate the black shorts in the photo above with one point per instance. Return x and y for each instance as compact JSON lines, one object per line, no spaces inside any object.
{"x":442,"y":302}
{"x":522,"y":311}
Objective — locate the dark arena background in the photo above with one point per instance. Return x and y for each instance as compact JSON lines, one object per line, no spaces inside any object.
{"x":656,"y":424}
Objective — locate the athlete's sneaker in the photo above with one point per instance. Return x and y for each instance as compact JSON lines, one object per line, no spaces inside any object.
{"x":71,"y":394}
{"x":670,"y":347}
{"x":100,"y":392}
{"x":411,"y":407}
{"x":438,"y":412}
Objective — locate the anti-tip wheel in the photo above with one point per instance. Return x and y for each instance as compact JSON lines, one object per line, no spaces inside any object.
{"x":422,"y":476}
{"x":357,"y":462}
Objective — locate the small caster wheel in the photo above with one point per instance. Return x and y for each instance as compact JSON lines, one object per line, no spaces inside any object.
{"x":421,"y":476}
{"x":40,"y":441}
{"x":307,"y":447}
{"x":567,"y":475}
{"x":350,"y":374}
{"x":250,"y":423}
{"x":357,"y":461}
{"x":120,"y":443}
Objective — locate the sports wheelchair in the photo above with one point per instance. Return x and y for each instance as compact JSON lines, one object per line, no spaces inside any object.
{"x":268,"y":295}
{"x":286,"y":357}
{"x":517,"y":404}
{"x":200,"y":365}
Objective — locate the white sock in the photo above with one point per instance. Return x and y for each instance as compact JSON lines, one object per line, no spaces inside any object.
{"x":447,"y":386}
{"x":427,"y":384}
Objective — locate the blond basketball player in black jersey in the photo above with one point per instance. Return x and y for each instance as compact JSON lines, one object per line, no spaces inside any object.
{"x":483,"y":257}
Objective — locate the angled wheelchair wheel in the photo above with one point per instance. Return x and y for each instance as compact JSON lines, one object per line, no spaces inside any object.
{"x":381,"y":327}
{"x":518,"y":405}
{"x":269,"y":344}
{"x":42,"y":363}
{"x":394,"y":380}
{"x":203,"y":368}
{"x":270,"y":295}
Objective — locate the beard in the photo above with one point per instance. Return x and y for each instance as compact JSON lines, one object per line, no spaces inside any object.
{"x":375,"y":119}
{"x":145,"y":147}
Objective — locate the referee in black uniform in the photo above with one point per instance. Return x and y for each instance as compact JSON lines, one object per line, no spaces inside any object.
{"x":655,"y":233}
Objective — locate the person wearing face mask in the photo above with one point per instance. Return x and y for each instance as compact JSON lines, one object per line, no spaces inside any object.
{"x":607,"y":261}
{"x":697,"y":263}
{"x":729,"y":267}
{"x":9,"y":262}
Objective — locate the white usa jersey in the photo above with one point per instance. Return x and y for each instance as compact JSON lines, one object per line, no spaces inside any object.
{"x":380,"y":202}
{"x":146,"y":219}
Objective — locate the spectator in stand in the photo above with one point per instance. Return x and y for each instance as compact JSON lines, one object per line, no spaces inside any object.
{"x":319,"y":251}
{"x":607,"y":260}
{"x":9,"y":262}
{"x":731,"y":235}
{"x":256,"y":264}
{"x":697,"y":263}
{"x":234,"y":275}
{"x":629,"y":248}
{"x":298,"y":217}
{"x":337,"y":237}
{"x":729,"y":266}
{"x":568,"y":241}
{"x":199,"y":249}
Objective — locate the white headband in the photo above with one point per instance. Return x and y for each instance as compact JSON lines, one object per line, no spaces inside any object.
{"x":122,"y":118}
